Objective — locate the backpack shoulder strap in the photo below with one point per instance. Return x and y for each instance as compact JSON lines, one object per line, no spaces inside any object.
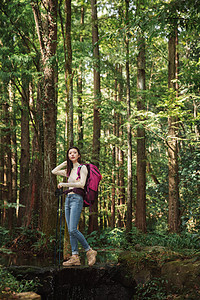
{"x":78,"y":171}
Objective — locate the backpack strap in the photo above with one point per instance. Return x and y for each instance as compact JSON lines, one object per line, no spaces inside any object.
{"x":78,"y":172}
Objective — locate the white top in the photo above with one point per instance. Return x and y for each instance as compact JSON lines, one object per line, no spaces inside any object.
{"x":72,"y":182}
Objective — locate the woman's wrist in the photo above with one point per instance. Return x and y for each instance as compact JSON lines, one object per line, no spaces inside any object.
{"x":62,"y":184}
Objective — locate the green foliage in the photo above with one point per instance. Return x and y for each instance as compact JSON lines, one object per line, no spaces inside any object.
{"x":43,"y":244}
{"x":9,"y":284}
{"x":152,"y":289}
{"x":108,"y":238}
{"x":4,"y":235}
{"x":118,"y":239}
{"x":19,"y":55}
{"x":26,"y":239}
{"x":175,"y":242}
{"x":189,"y":189}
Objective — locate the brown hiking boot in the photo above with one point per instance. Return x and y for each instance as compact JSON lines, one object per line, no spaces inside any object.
{"x":91,"y":257}
{"x":73,"y":261}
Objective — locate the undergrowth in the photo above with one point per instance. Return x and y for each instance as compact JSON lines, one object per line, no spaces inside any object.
{"x":34,"y":241}
{"x":9,"y":284}
{"x":152,"y":289}
{"x":118,"y":238}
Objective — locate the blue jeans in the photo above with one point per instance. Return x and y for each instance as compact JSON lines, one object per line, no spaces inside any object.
{"x":73,"y":208}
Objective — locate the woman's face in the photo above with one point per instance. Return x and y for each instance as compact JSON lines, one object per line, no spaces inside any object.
{"x":73,"y":155}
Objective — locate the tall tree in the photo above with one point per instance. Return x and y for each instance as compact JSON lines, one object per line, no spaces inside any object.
{"x":80,"y":104}
{"x":80,"y":90}
{"x":9,"y":213}
{"x":46,"y":25}
{"x":116,"y":121}
{"x":174,"y":214}
{"x":25,"y":153}
{"x":93,"y":220}
{"x":14,"y":144}
{"x":129,"y":138}
{"x":97,"y":90}
{"x":140,"y":220}
{"x":121,"y":199}
{"x":68,"y":75}
{"x":114,"y":158}
{"x":34,"y":207}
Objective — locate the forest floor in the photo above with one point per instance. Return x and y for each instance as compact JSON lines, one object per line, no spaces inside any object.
{"x":166,"y":265}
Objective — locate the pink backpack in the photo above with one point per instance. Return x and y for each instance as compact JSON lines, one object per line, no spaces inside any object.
{"x":92,"y":183}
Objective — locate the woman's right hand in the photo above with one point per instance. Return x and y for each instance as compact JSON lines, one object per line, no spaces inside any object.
{"x":60,"y":185}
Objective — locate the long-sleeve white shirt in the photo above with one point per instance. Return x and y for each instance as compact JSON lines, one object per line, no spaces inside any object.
{"x":73,"y":182}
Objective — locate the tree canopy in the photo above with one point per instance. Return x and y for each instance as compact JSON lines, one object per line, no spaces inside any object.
{"x":49,"y":100}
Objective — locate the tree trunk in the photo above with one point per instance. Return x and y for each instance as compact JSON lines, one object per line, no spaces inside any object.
{"x":174,"y":214}
{"x":9,"y":213}
{"x":68,"y":76}
{"x":80,"y":93}
{"x":47,"y":34}
{"x":66,"y":33}
{"x":14,"y":155}
{"x":93,"y":219}
{"x":116,"y":120}
{"x":25,"y":154}
{"x":129,"y":138}
{"x":34,"y":209}
{"x":121,"y":200}
{"x":13,"y":109}
{"x":1,"y":166}
{"x":141,"y":156}
{"x":113,"y":190}
{"x":80,"y":114}
{"x":196,"y":127}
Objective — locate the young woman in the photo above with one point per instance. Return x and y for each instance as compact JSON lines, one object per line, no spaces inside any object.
{"x":74,"y":204}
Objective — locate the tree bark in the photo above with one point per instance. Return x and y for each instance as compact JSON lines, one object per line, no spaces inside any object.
{"x":80,"y":113}
{"x":196,"y":127}
{"x":93,"y":218}
{"x":80,"y":93}
{"x":129,"y":137}
{"x":174,"y":209}
{"x":113,"y":190}
{"x":14,"y":154}
{"x":68,"y":76}
{"x":121,"y":200}
{"x":141,"y":156}
{"x":47,"y":34}
{"x":7,"y":191}
{"x":1,"y":166}
{"x":34,"y":207}
{"x":25,"y":154}
{"x":116,"y":117}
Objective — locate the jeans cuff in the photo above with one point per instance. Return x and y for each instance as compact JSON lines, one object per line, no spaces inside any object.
{"x":88,"y":249}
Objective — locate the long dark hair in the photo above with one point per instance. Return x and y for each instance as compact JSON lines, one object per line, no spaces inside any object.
{"x":69,"y":162}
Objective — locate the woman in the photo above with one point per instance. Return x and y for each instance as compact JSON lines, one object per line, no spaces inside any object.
{"x":74,"y":204}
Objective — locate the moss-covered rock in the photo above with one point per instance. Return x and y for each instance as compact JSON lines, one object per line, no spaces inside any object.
{"x":180,"y":274}
{"x":183,"y":275}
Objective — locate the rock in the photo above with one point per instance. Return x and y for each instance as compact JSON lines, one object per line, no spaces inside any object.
{"x":28,"y":296}
{"x":24,"y":296}
{"x":182,"y":274}
{"x":176,"y":275}
{"x":80,"y":283}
